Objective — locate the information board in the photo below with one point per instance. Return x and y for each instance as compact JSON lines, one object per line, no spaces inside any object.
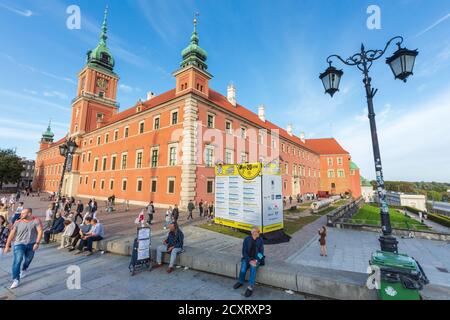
{"x":247,"y":195}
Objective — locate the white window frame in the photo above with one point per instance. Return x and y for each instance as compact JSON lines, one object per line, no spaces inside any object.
{"x":137,"y":184}
{"x":114,"y":156}
{"x":170,"y":146}
{"x":143,"y":127}
{"x":329,"y":161}
{"x":139,"y":151}
{"x":209,"y":114}
{"x":231,"y":153}
{"x":210,"y":149}
{"x":151,"y":185}
{"x":229,"y":130}
{"x":171,"y":117}
{"x":104,"y":162}
{"x":159,"y":122}
{"x":168,"y":184}
{"x":212,"y":182}
{"x":121,"y":160}
{"x":126,"y":184}
{"x":151,"y":157}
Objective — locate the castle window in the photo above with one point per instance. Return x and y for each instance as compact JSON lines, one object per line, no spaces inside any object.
{"x":174,"y":117}
{"x":153,"y":187}
{"x":125,"y":133}
{"x":171,"y":185}
{"x":139,"y":185}
{"x":141,"y":127}
{"x":210,"y":121}
{"x":139,"y":159}
{"x":156,"y":123}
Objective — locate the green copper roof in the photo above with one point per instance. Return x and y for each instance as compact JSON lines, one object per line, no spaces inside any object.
{"x":48,"y":135}
{"x":353,"y":166}
{"x":101,"y":56}
{"x":193,"y":54}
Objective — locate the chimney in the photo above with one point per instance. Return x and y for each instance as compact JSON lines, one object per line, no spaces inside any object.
{"x":231,"y":94}
{"x":289,"y":129}
{"x":302,"y":136}
{"x":150,"y":95}
{"x":261,"y":112}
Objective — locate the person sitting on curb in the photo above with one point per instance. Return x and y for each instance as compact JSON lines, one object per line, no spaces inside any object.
{"x":95,"y":234}
{"x":57,"y":227}
{"x":173,"y":245}
{"x":252,"y":258}
{"x":71,"y":229}
{"x":85,"y":227}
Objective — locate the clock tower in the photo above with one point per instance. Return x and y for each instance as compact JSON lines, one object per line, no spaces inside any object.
{"x":97,"y":88}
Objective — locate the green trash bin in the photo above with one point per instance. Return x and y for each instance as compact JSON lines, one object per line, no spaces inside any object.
{"x":402,"y":277}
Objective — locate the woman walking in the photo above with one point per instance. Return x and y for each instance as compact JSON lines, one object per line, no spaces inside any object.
{"x":322,"y":241}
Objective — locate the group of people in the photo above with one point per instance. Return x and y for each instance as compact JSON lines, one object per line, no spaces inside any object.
{"x":299,"y":198}
{"x":205,"y":209}
{"x":22,"y":232}
{"x":172,"y":214}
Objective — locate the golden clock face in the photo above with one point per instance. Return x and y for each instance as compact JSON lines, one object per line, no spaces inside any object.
{"x":102,"y":83}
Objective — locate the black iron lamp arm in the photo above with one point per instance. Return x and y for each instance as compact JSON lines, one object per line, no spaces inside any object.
{"x":365,"y":58}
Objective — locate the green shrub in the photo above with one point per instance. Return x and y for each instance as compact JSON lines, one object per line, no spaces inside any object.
{"x":413,"y":210}
{"x":442,"y":220}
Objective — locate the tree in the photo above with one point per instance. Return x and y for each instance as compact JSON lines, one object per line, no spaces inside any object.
{"x":11,"y":167}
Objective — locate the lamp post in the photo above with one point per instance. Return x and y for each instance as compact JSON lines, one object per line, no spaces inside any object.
{"x":402,"y":64}
{"x":66,"y":150}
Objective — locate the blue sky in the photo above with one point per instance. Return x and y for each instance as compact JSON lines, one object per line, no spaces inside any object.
{"x":273,"y":51}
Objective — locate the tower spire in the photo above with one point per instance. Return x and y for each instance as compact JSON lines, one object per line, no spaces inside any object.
{"x":101,"y":56}
{"x":193,"y":54}
{"x":103,"y":35}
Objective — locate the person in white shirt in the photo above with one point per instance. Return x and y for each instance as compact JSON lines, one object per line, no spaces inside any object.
{"x":48,"y":218}
{"x":70,"y":230}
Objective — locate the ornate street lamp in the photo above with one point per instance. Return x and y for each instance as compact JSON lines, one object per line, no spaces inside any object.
{"x":66,"y":150}
{"x":330,"y":79}
{"x":402,"y":64}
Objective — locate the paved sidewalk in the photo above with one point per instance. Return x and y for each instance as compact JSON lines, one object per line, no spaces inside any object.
{"x":107,"y":277}
{"x":433,"y":225}
{"x":351,"y":250}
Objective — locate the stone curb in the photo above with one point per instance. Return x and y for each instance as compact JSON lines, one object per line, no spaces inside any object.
{"x":321,"y":282}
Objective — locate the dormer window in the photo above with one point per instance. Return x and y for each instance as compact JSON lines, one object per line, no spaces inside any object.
{"x":104,"y":57}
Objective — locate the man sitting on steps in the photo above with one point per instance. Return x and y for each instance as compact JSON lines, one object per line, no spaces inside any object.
{"x":172,"y":245}
{"x":96,"y":234}
{"x":252,"y":258}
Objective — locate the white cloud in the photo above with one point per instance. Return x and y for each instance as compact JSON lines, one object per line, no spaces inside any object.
{"x":23,"y":13}
{"x":414,"y":143}
{"x":126,"y":88}
{"x":439,"y":21}
{"x":33,"y":69}
{"x":56,"y":94}
{"x":35,"y":101}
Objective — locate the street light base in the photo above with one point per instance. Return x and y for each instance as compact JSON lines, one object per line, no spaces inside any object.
{"x":388,"y":243}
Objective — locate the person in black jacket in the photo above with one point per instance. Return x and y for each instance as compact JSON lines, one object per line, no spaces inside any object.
{"x":57,"y":227}
{"x":175,"y":213}
{"x":252,"y":258}
{"x":80,"y":209}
